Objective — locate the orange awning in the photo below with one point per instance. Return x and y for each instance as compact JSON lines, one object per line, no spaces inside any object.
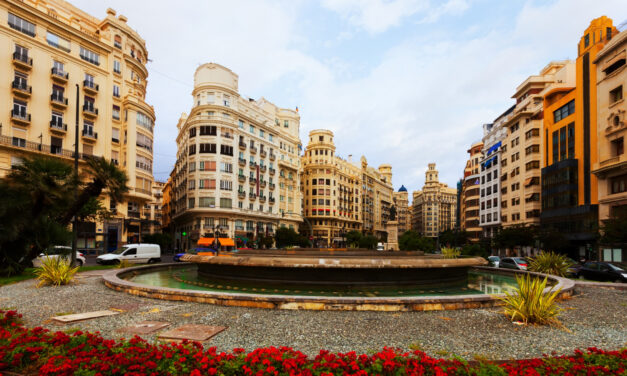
{"x":207,"y":242}
{"x":527,"y":181}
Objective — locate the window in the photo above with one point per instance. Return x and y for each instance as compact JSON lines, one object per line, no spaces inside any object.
{"x":115,"y":135}
{"x":226,"y":150}
{"x":226,"y":203}
{"x":192,"y":166}
{"x":117,"y":41}
{"x":532,"y":149}
{"x":571,"y":140}
{"x":192,"y":149}
{"x":251,"y":129}
{"x":207,"y":183}
{"x":116,"y":112}
{"x":618,"y":147}
{"x":117,"y":67}
{"x":240,"y":123}
{"x":21,"y":25}
{"x":115,"y":156}
{"x":564,"y":111}
{"x":207,"y":202}
{"x":207,"y":148}
{"x":116,"y":91}
{"x":208,"y":130}
{"x":535,"y":132}
{"x":533,"y":165}
{"x":226,"y":100}
{"x":262,"y":134}
{"x":143,"y":163}
{"x":618,"y":184}
{"x":58,"y":42}
{"x":207,"y":165}
{"x":226,"y":185}
{"x":144,"y":141}
{"x":286,"y":123}
{"x":586,"y":40}
{"x":19,"y":109}
{"x":57,"y":120}
{"x":616,"y":94}
{"x":190,"y":203}
{"x":144,"y":121}
{"x":226,"y":167}
{"x":57,"y":68}
{"x":89,"y":56}
{"x":514,"y":127}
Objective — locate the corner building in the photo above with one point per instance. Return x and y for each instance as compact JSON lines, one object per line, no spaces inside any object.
{"x":469,"y":200}
{"x":50,"y":50}
{"x":237,"y":164}
{"x":341,"y":196}
{"x":434,"y":209}
{"x":569,"y":189}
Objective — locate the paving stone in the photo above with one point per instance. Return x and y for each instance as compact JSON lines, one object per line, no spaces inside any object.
{"x":144,"y":327}
{"x":83,"y":316}
{"x":192,"y":332}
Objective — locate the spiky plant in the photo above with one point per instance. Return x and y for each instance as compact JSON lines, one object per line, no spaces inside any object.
{"x":550,"y":263}
{"x":450,"y":253}
{"x":530,"y":304}
{"x":55,"y":271}
{"x":124,"y":264}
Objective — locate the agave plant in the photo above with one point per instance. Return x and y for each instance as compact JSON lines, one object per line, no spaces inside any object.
{"x":124,"y":264}
{"x":530,"y":304}
{"x":450,"y":253}
{"x":551,"y":263}
{"x":55,"y":271}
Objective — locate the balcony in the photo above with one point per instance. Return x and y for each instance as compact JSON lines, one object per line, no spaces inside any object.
{"x":133,"y":214}
{"x":242,"y":162}
{"x":241,"y":178}
{"x":58,"y":101}
{"x":90,"y":111}
{"x":272,"y":171}
{"x":22,"y":61}
{"x":253,"y":150}
{"x":262,"y":183}
{"x":242,"y":145}
{"x":90,"y":136}
{"x":253,"y":164}
{"x":262,"y":198}
{"x":263,"y":168}
{"x":58,"y":127}
{"x":90,"y":87}
{"x":252,"y":196}
{"x":21,"y":89}
{"x":272,"y":185}
{"x":59,"y":76}
{"x":252,"y":180}
{"x":20,"y":117}
{"x":272,"y":156}
{"x":272,"y":200}
{"x":263,"y":154}
{"x":241,"y":194}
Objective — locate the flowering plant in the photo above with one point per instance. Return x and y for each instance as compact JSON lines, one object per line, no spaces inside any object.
{"x":39,"y":351}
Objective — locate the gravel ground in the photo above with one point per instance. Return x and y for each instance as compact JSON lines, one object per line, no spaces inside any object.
{"x":594,"y":317}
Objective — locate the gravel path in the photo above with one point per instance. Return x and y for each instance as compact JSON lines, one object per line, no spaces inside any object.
{"x":595,"y":317}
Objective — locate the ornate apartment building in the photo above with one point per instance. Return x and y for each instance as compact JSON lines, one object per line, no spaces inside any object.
{"x":611,"y":169}
{"x":521,"y":152}
{"x":340,"y":196}
{"x":494,"y":135}
{"x":470,"y":190}
{"x":434,"y":209}
{"x":237,"y":164}
{"x":53,"y":53}
{"x":403,"y":212}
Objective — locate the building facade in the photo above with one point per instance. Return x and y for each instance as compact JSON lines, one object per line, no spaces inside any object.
{"x":494,"y":135}
{"x":569,"y":189}
{"x":58,"y":60}
{"x":341,"y":196}
{"x":403,"y":213}
{"x":153,"y":211}
{"x":434,"y":207}
{"x":521,"y":152}
{"x":470,"y":193}
{"x":611,"y":168}
{"x":237,"y":164}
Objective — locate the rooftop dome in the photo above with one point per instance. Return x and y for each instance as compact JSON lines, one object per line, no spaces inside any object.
{"x":402,"y":189}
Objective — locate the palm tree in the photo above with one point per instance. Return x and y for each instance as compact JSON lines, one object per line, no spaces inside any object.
{"x":104,"y":175}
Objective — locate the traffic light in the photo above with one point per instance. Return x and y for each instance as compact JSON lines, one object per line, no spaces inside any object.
{"x":184,"y":233}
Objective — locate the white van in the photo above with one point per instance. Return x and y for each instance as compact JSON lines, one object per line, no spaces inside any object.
{"x":134,"y":253}
{"x":380,"y":247}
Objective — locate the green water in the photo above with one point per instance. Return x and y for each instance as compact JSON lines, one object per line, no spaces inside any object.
{"x":187,"y":278}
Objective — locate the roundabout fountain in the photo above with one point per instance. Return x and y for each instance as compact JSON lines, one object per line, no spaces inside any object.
{"x":316,"y":279}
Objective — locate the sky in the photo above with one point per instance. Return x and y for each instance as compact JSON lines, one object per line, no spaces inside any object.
{"x":404,"y":82}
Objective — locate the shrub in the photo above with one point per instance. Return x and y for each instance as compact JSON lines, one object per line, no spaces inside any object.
{"x":530,"y":304}
{"x":450,"y":253}
{"x":55,"y":271}
{"x":124,"y":264}
{"x":551,"y":263}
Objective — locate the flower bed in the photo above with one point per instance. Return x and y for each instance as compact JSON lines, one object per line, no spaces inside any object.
{"x":39,"y":351}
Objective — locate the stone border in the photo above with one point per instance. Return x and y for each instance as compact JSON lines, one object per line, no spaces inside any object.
{"x":114,"y":280}
{"x":609,"y":285}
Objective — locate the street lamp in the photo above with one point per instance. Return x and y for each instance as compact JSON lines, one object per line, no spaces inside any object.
{"x":216,"y":235}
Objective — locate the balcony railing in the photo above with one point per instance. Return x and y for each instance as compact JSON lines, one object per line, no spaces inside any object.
{"x":263,"y":153}
{"x":20,"y":116}
{"x":272,"y":200}
{"x":42,"y":148}
{"x":90,"y":109}
{"x":58,"y":99}
{"x":90,"y":134}
{"x":253,"y":149}
{"x":241,"y":178}
{"x":90,"y":86}
{"x":252,"y":196}
{"x":252,"y":180}
{"x":22,"y":87}
{"x":57,"y":125}
{"x":133,"y":214}
{"x":272,"y":156}
{"x":242,"y":145}
{"x":59,"y":74}
{"x":241,"y":194}
{"x":272,"y":171}
{"x":242,"y":161}
{"x":23,"y":60}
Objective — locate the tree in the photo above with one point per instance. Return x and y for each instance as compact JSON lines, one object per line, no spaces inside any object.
{"x":412,"y":241}
{"x":454,"y":238}
{"x":163,"y":239}
{"x":352,"y":238}
{"x":286,"y":237}
{"x":614,"y":229}
{"x":368,"y":242}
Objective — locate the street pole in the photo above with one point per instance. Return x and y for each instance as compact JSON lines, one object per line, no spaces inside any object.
{"x":75,"y":219}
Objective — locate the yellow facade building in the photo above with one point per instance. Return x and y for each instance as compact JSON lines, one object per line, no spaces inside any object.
{"x":569,"y":189}
{"x":434,"y":208}
{"x":469,"y":198}
{"x":611,"y":168}
{"x":403,"y":212}
{"x":53,"y":52}
{"x":341,"y":196}
{"x":237,"y":164}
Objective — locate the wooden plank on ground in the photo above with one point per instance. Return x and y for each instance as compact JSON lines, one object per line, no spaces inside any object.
{"x":83,"y":316}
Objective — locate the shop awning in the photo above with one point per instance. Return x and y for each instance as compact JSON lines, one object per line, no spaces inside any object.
{"x":224,"y":242}
{"x":527,"y":181}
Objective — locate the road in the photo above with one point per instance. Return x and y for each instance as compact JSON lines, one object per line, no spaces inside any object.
{"x":91,"y":260}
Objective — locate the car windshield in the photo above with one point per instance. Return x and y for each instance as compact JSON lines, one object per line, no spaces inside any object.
{"x":493,"y":258}
{"x":520,"y":260}
{"x":618,"y":269}
{"x":119,"y":250}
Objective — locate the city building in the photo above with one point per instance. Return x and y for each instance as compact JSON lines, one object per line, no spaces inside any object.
{"x":153,"y":211}
{"x":469,"y":197}
{"x":341,"y":196}
{"x":167,"y":208}
{"x":236,"y":173}
{"x":59,"y":61}
{"x":521,"y":152}
{"x":490,"y":174}
{"x":403,"y":213}
{"x":611,"y":168}
{"x":569,"y":189}
{"x":434,"y":207}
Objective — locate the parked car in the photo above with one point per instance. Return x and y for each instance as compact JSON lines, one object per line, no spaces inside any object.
{"x":134,"y":253}
{"x":602,"y":271}
{"x":494,"y":261}
{"x":573,"y":270}
{"x":59,"y":251}
{"x":513,"y":263}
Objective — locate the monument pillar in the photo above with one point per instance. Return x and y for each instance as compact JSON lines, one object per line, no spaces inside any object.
{"x":392,"y":229}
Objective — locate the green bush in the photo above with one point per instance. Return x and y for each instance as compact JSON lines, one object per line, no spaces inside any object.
{"x":450,"y":253}
{"x":530,"y":304}
{"x":550,"y":263}
{"x":55,"y":271}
